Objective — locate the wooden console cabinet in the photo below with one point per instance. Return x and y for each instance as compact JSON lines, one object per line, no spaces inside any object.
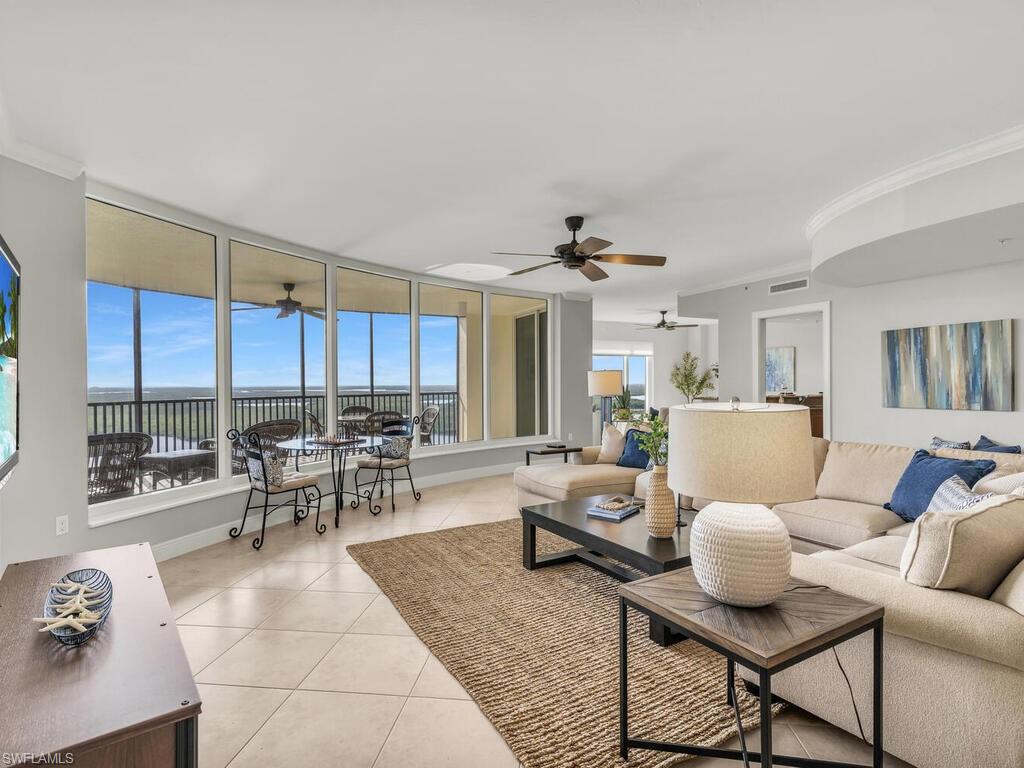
{"x":124,"y":698}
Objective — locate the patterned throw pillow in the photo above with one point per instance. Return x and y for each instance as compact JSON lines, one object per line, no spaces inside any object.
{"x":397,"y":447}
{"x":275,"y":470}
{"x":954,"y":495}
{"x":938,"y":442}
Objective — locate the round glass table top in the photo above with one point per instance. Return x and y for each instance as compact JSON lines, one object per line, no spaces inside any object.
{"x":364,"y":442}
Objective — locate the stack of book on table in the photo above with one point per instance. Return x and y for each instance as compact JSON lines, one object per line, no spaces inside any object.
{"x":615,"y":509}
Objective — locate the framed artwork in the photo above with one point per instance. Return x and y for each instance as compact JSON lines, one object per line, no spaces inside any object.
{"x":780,"y":369}
{"x":960,"y":367}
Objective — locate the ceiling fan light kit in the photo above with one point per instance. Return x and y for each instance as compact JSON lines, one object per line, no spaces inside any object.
{"x":665,"y":324}
{"x":582,"y":256}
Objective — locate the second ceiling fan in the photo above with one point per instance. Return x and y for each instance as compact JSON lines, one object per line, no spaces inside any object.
{"x":583,"y":256}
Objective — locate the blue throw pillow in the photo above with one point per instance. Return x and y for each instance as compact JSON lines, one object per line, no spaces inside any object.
{"x":988,"y":444}
{"x":925,"y":474}
{"x":633,"y":455}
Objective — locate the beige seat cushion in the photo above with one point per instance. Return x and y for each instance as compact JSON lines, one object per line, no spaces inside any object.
{"x":883,"y":550}
{"x":835,"y":523}
{"x":901,"y":530}
{"x":1011,"y":591}
{"x":969,"y":551}
{"x":864,"y":472}
{"x":293,"y":480}
{"x":375,"y":462}
{"x":840,"y":556}
{"x":561,"y":481}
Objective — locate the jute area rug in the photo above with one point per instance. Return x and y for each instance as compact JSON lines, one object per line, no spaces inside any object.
{"x":538,"y":650}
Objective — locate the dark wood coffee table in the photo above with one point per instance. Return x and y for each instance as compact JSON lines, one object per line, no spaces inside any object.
{"x":604,"y":545}
{"x":806,"y":620}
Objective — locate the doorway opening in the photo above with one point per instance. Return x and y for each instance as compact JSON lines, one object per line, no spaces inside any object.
{"x":792,"y":360}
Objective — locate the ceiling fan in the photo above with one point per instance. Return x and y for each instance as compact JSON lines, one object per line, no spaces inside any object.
{"x":665,"y":324}
{"x":582,"y":256}
{"x":287,"y":306}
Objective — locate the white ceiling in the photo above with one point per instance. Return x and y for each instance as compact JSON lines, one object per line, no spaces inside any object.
{"x":417,"y":133}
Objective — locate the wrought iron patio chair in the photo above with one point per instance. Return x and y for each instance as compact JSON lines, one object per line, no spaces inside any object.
{"x":387,"y":461}
{"x":348,"y":415}
{"x":114,"y":464}
{"x":257,"y":457}
{"x":316,"y":429}
{"x":271,"y":433}
{"x":374,"y":423}
{"x":427,"y":421}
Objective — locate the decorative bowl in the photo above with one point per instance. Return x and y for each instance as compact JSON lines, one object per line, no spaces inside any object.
{"x":94,"y":579}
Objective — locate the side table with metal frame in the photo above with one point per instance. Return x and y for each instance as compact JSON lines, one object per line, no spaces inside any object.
{"x":805,"y":621}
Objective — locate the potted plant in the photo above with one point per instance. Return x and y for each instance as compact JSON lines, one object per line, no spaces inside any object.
{"x":622,"y":406}
{"x":660,"y":508}
{"x":688,"y":381}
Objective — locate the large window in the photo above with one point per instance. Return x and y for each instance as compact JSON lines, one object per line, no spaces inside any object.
{"x":451,"y":361}
{"x":277,"y":340}
{"x":635,"y":375}
{"x":163,"y":331}
{"x":151,"y":353}
{"x":374,"y":340}
{"x":517,"y":366}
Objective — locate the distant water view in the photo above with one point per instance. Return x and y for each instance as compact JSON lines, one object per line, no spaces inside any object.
{"x":122,"y":394}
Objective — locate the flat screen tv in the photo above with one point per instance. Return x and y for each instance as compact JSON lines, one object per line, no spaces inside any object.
{"x":10,"y":299}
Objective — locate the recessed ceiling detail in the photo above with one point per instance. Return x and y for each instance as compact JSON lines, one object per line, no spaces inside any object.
{"x":469,"y":271}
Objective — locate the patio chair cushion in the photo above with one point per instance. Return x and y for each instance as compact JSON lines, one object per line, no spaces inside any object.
{"x":385,"y":463}
{"x":292,"y":481}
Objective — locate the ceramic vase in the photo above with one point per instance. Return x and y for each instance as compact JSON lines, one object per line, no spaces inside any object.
{"x":740,"y":553}
{"x":660,"y":507}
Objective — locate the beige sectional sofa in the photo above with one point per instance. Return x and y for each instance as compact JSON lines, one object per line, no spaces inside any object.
{"x":953,"y":662}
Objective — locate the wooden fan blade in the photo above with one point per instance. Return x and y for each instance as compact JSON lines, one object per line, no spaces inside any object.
{"x":631,"y":258}
{"x":531,"y":269}
{"x":518,"y":253}
{"x":313,"y":313}
{"x":591,"y":246}
{"x":593,"y":272}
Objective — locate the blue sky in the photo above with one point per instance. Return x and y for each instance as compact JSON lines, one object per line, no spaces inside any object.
{"x":179,"y":350}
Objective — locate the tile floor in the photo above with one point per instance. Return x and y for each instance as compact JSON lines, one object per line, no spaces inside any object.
{"x":299,"y":657}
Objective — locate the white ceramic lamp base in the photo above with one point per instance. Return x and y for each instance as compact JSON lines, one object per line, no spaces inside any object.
{"x":740,"y":553}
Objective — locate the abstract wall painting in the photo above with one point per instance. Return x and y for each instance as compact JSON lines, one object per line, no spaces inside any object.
{"x":780,"y":369}
{"x":959,"y":367}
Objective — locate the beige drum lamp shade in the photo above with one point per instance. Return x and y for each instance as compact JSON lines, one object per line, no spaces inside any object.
{"x":604,"y":383}
{"x":752,"y":453}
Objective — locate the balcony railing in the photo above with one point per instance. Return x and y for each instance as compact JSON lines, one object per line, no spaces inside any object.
{"x":184,"y":423}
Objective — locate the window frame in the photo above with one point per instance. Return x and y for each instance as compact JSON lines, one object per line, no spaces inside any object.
{"x":118,"y":510}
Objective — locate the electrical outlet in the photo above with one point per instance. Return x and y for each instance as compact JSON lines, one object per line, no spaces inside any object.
{"x":570,"y":437}
{"x":62,"y":525}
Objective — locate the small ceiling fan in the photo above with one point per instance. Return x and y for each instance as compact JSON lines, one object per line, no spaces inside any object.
{"x":582,"y":256}
{"x":665,"y":324}
{"x":287,"y":306}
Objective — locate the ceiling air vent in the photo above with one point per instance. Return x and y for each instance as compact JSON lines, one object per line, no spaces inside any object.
{"x":789,"y":285}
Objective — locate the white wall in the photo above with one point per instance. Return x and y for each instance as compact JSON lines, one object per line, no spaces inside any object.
{"x":805,"y":335}
{"x":859,"y":315}
{"x":667,"y":349}
{"x":42,"y":217}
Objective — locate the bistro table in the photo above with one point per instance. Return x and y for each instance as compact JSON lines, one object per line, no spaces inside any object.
{"x":369,"y":444}
{"x":179,"y":464}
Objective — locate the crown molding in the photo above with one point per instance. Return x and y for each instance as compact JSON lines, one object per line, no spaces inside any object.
{"x":1000,"y":143}
{"x":792,"y":268}
{"x":29,"y":154}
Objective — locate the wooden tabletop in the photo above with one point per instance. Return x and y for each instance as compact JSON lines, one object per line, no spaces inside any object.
{"x":628,"y":541}
{"x":803,"y":618}
{"x":132,"y":676}
{"x":549,"y":451}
